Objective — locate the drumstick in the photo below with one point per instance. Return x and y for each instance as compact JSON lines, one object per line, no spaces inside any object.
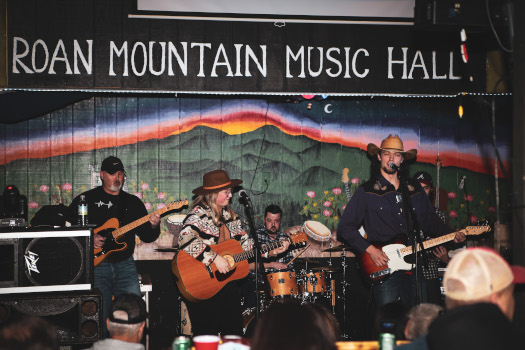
{"x":295,"y":257}
{"x":333,"y":293}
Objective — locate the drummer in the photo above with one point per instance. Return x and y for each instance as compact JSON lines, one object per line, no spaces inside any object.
{"x":276,"y":259}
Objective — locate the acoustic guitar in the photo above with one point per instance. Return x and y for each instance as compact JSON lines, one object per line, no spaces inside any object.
{"x":198,"y":282}
{"x":110,"y":229}
{"x":397,"y":251}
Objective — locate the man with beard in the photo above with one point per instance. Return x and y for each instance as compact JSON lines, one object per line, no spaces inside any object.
{"x":270,"y":233}
{"x":117,"y":274}
{"x":382,"y":205}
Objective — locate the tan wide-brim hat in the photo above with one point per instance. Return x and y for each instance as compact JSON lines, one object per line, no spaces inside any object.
{"x":216,"y":181}
{"x":391,"y":143}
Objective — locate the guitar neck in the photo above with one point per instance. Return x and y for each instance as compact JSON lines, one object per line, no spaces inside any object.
{"x":429,"y":244}
{"x":251,"y":253}
{"x":124,"y":229}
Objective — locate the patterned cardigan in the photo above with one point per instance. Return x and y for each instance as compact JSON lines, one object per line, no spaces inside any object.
{"x":199,"y":233}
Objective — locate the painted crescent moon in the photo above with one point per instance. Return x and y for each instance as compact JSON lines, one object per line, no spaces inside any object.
{"x":326,"y":108}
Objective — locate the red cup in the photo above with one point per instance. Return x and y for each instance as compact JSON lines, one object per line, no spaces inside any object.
{"x":206,"y":342}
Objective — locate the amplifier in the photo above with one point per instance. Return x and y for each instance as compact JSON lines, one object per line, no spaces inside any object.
{"x":46,"y":261}
{"x":13,"y":222}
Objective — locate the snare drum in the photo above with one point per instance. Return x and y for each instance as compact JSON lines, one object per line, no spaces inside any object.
{"x":317,"y":231}
{"x":282,"y":284}
{"x":314,"y":282}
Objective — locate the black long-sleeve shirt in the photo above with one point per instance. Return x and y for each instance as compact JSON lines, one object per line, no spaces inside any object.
{"x":377,"y":206}
{"x":125,"y":207}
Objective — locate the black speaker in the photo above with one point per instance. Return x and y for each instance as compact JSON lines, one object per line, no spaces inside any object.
{"x":46,"y":261}
{"x":77,"y":317}
{"x":450,"y":14}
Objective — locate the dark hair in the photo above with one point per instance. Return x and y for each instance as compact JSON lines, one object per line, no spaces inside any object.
{"x":28,"y":333}
{"x":273,"y":209}
{"x":288,"y":325}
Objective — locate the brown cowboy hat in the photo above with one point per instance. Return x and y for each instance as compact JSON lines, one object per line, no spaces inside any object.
{"x":391,"y":143}
{"x":216,"y":181}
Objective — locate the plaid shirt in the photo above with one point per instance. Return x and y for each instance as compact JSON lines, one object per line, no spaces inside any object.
{"x":431,"y":271}
{"x":264,"y":238}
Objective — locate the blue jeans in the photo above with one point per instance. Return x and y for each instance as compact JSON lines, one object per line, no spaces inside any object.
{"x":115,"y":278}
{"x":398,"y":285}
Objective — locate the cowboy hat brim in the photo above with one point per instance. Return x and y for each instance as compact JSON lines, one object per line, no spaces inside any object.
{"x":203,"y":191}
{"x":374,"y":150}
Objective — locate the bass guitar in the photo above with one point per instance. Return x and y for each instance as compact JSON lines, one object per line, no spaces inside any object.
{"x":110,"y":229}
{"x":397,"y":251}
{"x":198,"y":282}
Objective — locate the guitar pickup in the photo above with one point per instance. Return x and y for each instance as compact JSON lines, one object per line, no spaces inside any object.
{"x":380,"y":273}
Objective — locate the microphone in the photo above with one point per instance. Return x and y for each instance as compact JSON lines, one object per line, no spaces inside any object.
{"x":462,"y":182}
{"x":243,"y":196}
{"x":393,"y":166}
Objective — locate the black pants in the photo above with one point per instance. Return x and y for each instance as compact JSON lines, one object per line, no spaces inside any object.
{"x":219,"y":314}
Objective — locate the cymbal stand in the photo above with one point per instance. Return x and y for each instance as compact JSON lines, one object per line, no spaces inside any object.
{"x":344,"y":336}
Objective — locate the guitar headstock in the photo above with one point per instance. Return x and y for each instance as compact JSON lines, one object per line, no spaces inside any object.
{"x":298,"y":239}
{"x":345,"y":177}
{"x":477,"y":230}
{"x":177,"y":205}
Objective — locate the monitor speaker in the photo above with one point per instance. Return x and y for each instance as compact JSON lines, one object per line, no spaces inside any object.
{"x":45,"y":261}
{"x":76,"y":316}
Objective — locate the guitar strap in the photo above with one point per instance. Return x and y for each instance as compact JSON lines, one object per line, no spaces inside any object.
{"x":224,"y":233}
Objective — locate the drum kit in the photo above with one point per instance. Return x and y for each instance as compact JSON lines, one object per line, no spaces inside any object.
{"x":308,"y":285}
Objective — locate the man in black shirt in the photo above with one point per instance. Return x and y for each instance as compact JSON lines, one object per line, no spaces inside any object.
{"x":117,"y":273}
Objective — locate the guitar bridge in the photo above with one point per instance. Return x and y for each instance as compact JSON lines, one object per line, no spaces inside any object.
{"x":380,"y":273}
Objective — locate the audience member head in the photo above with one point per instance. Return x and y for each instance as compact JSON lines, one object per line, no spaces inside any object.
{"x":28,"y":333}
{"x":394,"y":313}
{"x":329,"y":319}
{"x":288,"y":325}
{"x":419,"y":318}
{"x":127,"y":318}
{"x":480,"y":326}
{"x":480,"y":275}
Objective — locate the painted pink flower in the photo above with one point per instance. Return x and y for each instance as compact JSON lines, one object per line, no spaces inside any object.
{"x":44,"y":188}
{"x":67,"y":187}
{"x":161,"y":195}
{"x":148,"y":206}
{"x":327,"y":203}
{"x":327,"y":212}
{"x":452,"y":195}
{"x":468,"y":198}
{"x":160,"y":206}
{"x":138,"y":194}
{"x":492,"y":209}
{"x":310,"y":194}
{"x":453,"y":214}
{"x":344,"y":207}
{"x":473,"y":219}
{"x":336,"y":190}
{"x":144,"y":186}
{"x":32,"y":205}
{"x":354,"y":181}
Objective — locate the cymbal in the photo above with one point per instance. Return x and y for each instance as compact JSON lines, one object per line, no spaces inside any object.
{"x":173,"y":249}
{"x":328,"y":269}
{"x":338,"y":248}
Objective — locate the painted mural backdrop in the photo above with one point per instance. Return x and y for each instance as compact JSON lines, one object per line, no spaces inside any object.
{"x":307,"y":156}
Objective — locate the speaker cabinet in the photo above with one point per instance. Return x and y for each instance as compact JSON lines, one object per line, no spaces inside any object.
{"x":45,"y":261}
{"x":76,"y":316}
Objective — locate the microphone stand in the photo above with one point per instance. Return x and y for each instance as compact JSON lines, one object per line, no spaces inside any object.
{"x":245,"y":201}
{"x":417,"y":240}
{"x":466,"y":200}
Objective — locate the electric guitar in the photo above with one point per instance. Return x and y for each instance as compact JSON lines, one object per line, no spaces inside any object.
{"x":198,"y":282}
{"x":396,"y":253}
{"x":110,"y":229}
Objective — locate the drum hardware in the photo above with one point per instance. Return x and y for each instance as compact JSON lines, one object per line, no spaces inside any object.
{"x":328,"y":269}
{"x":339,"y":248}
